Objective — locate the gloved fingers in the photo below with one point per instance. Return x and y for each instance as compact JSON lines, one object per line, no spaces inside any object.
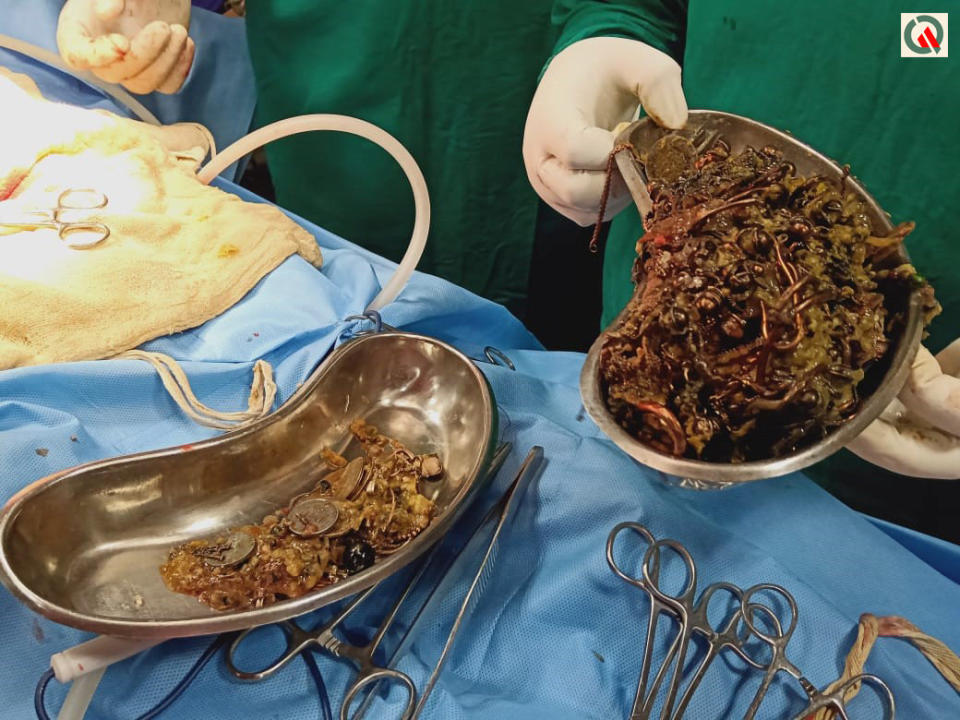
{"x":574,"y":188}
{"x":949,"y":358}
{"x":588,"y":218}
{"x":151,"y":77}
{"x":145,"y":48}
{"x":583,"y":218}
{"x":108,"y":9}
{"x":663,"y":100}
{"x":81,"y":51}
{"x":583,"y":147}
{"x":909,"y":448}
{"x":576,"y":194}
{"x":932,"y":395}
{"x":180,"y":70}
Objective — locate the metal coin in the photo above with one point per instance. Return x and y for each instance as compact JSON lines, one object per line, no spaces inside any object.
{"x":234,"y":550}
{"x":353,"y":475}
{"x":342,"y":482}
{"x":312,"y":517}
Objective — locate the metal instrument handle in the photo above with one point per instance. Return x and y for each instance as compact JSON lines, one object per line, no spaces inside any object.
{"x":611,"y":561}
{"x":778,"y":644}
{"x":837,"y":701}
{"x":726,"y":637}
{"x":500,"y":455}
{"x":528,"y":470}
{"x":373,"y":677}
{"x":81,"y":199}
{"x":782,"y":638}
{"x":99,"y":233}
{"x":297,"y":641}
{"x":683,"y":602}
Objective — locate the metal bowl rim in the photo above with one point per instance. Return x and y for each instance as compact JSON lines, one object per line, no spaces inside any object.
{"x":722,"y":475}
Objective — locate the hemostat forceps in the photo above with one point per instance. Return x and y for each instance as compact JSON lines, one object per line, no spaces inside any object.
{"x":817,"y":700}
{"x":692,"y":615}
{"x":739,"y":627}
{"x":66,"y":217}
{"x":324,"y":636}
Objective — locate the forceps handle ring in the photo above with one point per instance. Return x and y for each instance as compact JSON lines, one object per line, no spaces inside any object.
{"x":373,"y":677}
{"x":297,"y":641}
{"x":837,"y":700}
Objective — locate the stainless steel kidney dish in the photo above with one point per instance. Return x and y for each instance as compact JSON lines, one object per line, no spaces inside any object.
{"x":883,"y":381}
{"x":84,"y":547}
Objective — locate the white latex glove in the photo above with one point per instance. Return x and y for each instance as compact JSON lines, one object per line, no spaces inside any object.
{"x":919,"y":434}
{"x":141,"y":44}
{"x":588,"y":89}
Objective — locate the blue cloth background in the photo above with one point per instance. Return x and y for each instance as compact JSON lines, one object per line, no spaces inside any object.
{"x":552,"y":633}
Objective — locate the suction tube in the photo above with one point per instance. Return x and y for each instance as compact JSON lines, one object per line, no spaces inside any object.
{"x":353,"y":126}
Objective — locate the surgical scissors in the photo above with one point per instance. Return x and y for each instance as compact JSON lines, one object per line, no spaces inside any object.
{"x":734,"y":634}
{"x":78,"y":234}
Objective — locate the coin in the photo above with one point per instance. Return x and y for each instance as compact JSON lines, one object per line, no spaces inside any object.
{"x":234,"y":550}
{"x":312,"y":517}
{"x":353,"y":475}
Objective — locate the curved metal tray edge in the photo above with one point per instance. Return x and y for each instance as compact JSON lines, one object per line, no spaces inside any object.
{"x":274,"y":613}
{"x":703,"y":475}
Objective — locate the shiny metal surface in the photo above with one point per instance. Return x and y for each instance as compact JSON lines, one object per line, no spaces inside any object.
{"x":83,"y":547}
{"x":369,"y":673}
{"x":738,"y":632}
{"x":887,"y":378}
{"x":68,"y":217}
{"x":530,"y":469}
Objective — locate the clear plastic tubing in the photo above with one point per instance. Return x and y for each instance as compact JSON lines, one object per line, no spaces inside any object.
{"x":353,"y":126}
{"x":84,"y":665}
{"x":79,"y":695}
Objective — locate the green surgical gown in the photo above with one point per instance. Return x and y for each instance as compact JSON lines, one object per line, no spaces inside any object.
{"x":452,"y":80}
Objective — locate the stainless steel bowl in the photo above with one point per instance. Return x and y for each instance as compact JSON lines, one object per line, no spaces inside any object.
{"x":886,"y":379}
{"x":83,"y":547}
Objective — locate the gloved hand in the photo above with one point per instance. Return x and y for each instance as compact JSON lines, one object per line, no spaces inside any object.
{"x":141,"y":44}
{"x":588,"y":89}
{"x":919,"y":434}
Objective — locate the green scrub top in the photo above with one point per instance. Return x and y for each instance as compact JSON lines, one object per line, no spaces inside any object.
{"x":450,"y":79}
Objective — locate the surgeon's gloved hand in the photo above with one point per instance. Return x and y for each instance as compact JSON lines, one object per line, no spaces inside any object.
{"x":588,"y":89}
{"x":141,"y":44}
{"x":919,"y":434}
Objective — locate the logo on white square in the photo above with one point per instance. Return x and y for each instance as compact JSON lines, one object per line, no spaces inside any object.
{"x":923,"y":35}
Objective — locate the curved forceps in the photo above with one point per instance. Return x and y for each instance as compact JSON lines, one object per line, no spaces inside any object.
{"x":727,"y":637}
{"x":678,"y":607}
{"x":368,"y":673}
{"x":69,"y":202}
{"x":817,"y":700}
{"x":693,"y":618}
